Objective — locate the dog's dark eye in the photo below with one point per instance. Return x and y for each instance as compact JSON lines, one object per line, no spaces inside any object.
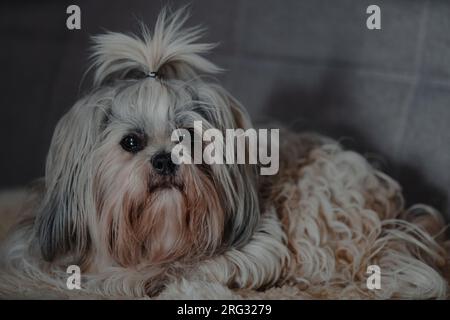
{"x":132,"y":143}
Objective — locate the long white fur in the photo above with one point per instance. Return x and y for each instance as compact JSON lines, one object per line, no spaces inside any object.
{"x":319,"y":223}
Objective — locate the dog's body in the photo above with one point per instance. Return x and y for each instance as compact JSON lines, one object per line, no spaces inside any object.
{"x":138,"y":225}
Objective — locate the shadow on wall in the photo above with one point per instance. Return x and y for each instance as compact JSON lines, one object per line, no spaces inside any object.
{"x":334,"y":120}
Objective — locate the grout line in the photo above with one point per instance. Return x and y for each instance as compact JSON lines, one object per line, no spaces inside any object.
{"x":237,"y":39}
{"x":239,"y":25}
{"x":409,"y":100}
{"x":306,"y":63}
{"x":396,"y":76}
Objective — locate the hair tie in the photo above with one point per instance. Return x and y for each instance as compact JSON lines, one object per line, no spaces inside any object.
{"x":152,"y":74}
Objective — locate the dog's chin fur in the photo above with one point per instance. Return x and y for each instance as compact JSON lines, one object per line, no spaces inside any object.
{"x":156,"y":219}
{"x":310,"y":231}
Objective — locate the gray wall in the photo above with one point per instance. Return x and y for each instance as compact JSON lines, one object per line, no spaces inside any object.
{"x":310,"y":64}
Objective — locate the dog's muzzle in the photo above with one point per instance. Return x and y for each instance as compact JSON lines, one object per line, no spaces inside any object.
{"x":163,"y":165}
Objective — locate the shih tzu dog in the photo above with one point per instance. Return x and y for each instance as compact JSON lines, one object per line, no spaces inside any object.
{"x":137,"y":224}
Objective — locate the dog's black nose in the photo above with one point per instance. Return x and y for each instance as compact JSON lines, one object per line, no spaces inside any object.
{"x":162,"y":162}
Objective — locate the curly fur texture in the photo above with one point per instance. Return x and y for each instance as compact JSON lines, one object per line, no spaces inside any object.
{"x":328,"y":216}
{"x":309,"y":232}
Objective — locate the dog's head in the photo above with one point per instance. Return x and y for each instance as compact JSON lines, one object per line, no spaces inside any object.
{"x":113,"y":193}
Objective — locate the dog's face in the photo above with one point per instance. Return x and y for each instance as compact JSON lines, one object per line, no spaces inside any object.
{"x":148,"y":206}
{"x":113,"y":194}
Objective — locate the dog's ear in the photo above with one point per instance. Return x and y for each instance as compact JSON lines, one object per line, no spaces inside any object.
{"x":240,"y":116}
{"x":62,"y":220}
{"x":247,"y":212}
{"x":242,"y":202}
{"x":170,"y":52}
